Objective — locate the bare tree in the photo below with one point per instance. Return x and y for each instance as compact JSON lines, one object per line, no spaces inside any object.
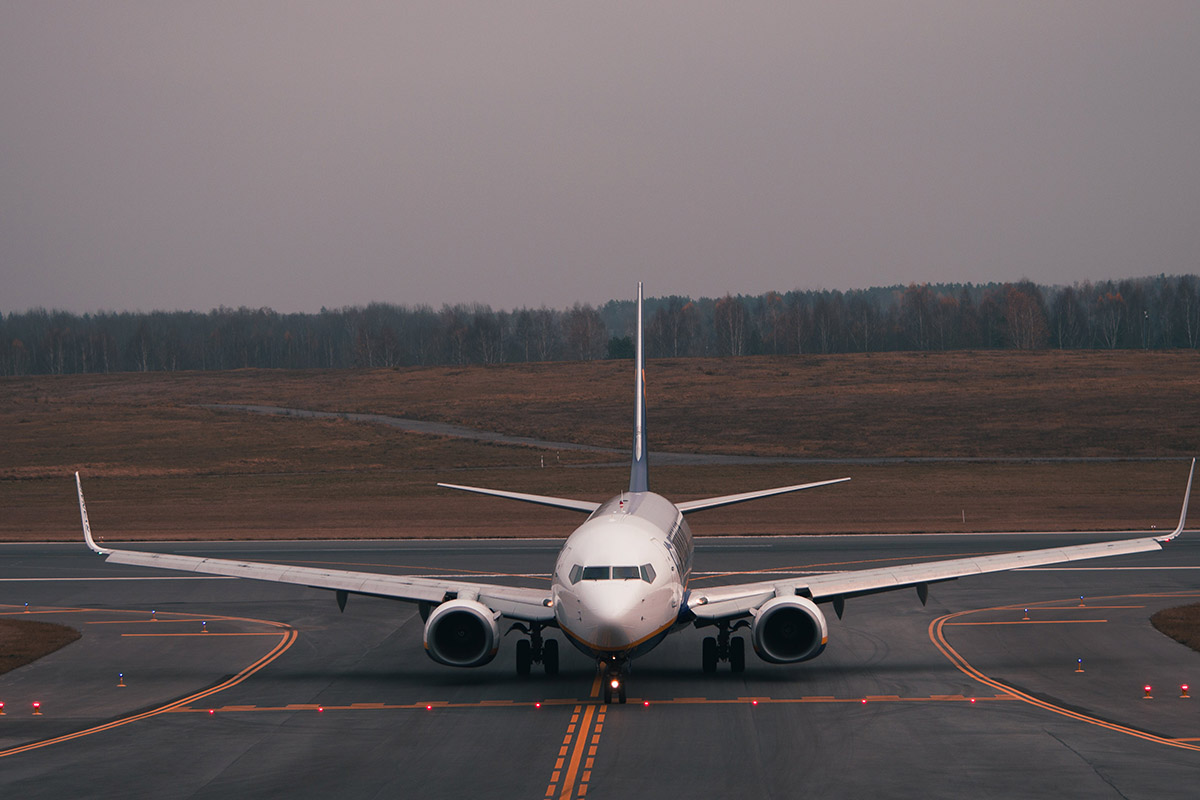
{"x":1025,"y":317}
{"x":729,"y":323}
{"x":1110,"y":315}
{"x":585,"y":332}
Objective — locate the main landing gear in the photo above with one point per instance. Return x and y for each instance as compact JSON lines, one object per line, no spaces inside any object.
{"x":724,"y":647}
{"x":612,"y":681}
{"x":535,"y":650}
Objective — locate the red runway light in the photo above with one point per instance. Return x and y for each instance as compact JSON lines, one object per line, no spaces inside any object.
{"x":645,"y":702}
{"x":972,"y":699}
{"x":864,"y":701}
{"x":37,"y":707}
{"x":211,"y":712}
{"x":753,"y":702}
{"x":537,"y":705}
{"x":429,"y":708}
{"x":320,"y":709}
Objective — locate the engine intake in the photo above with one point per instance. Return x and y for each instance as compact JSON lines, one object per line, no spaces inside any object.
{"x":788,"y":629}
{"x":462,"y":633}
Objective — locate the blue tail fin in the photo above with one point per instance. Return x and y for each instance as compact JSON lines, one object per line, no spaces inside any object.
{"x":639,"y":473}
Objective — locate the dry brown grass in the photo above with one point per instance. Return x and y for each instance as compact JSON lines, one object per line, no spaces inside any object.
{"x":1181,"y":623}
{"x":157,"y":466}
{"x":25,"y":641}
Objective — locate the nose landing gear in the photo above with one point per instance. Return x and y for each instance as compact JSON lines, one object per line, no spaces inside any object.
{"x":535,"y":650}
{"x":612,"y":680}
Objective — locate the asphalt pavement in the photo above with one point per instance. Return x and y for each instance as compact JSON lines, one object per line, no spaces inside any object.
{"x":242,"y":689}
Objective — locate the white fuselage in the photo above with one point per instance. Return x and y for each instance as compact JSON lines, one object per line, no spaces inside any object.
{"x":621,"y":577}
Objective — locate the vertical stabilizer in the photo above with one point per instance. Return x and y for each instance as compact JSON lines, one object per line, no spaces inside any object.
{"x":639,"y":474}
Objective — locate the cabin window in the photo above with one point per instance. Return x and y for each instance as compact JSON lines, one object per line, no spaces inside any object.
{"x":625,"y":573}
{"x":647,"y":573}
{"x":596,"y":573}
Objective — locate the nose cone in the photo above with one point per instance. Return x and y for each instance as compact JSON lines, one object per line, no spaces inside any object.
{"x":609,"y":615}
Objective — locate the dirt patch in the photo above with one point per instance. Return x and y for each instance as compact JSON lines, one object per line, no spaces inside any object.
{"x":157,"y":465}
{"x":25,"y":641}
{"x":1181,"y":623}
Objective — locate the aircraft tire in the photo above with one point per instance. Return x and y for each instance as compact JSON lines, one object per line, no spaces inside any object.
{"x":550,"y":656}
{"x":737,"y":654}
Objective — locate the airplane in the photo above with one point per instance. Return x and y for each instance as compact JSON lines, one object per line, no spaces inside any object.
{"x":620,"y":582}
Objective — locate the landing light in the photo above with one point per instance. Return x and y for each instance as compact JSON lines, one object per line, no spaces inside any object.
{"x":614,"y":683}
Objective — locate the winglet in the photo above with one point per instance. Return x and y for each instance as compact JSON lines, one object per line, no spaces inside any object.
{"x":639,"y":472}
{"x":1182,"y":514}
{"x":87,"y":529}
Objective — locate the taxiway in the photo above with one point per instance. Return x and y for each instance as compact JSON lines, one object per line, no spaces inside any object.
{"x":236,"y":688}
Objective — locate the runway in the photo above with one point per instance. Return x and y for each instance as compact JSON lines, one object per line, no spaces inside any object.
{"x":238,"y":688}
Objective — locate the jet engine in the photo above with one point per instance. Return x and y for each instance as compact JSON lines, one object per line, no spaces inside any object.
{"x":788,"y":629}
{"x":462,"y":633}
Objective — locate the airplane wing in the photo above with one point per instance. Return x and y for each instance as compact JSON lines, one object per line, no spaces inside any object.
{"x":531,"y":605}
{"x":724,"y":602}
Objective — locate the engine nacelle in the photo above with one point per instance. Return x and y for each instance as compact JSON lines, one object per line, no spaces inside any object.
{"x":788,"y":629}
{"x":462,"y":633}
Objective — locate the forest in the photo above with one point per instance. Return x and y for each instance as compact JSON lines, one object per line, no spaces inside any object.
{"x":1137,"y":313}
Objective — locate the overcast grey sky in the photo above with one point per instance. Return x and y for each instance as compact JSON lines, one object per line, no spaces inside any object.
{"x":183,"y":155}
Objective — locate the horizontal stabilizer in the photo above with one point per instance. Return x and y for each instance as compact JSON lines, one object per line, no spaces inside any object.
{"x":730,"y":499}
{"x":541,"y":500}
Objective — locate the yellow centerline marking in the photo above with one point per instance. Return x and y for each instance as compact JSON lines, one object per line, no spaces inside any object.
{"x":1025,"y":622}
{"x":287,"y":635}
{"x":939,"y":641}
{"x":204,"y":634}
{"x":132,"y":621}
{"x":564,"y":749}
{"x":568,"y":784}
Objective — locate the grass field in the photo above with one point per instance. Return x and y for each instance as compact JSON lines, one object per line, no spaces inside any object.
{"x":157,"y":466}
{"x":25,"y":641}
{"x":1181,"y":623}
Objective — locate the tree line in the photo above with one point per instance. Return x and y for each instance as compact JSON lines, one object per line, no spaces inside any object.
{"x":1145,"y":313}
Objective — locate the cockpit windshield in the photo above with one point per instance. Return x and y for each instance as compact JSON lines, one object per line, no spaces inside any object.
{"x":581,"y":573}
